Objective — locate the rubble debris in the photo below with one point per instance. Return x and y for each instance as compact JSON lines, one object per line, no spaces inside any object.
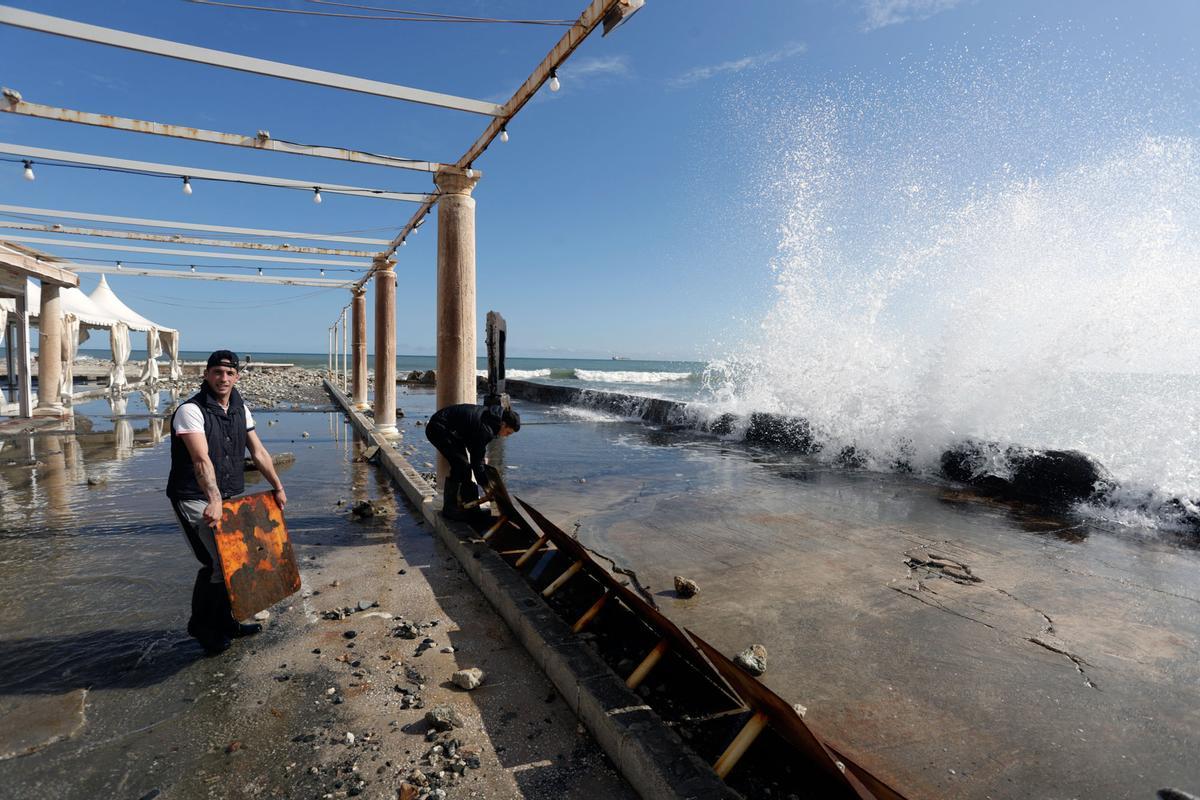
{"x":685,"y":587}
{"x":468,"y":679}
{"x":753,"y":659}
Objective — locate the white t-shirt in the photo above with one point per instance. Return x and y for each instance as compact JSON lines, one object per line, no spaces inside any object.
{"x":190,"y":419}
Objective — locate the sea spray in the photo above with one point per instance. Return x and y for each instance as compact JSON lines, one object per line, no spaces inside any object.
{"x":979,"y":256}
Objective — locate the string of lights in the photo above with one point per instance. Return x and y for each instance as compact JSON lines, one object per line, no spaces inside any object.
{"x":390,"y":15}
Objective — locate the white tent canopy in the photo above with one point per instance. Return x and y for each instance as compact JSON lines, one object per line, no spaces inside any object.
{"x":103,"y":309}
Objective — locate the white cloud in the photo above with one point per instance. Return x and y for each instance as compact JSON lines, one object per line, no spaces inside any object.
{"x":881,"y":13}
{"x":698,"y":74}
{"x":605,"y":66}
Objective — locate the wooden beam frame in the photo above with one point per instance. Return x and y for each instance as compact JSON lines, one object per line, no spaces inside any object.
{"x":16,"y":105}
{"x":15,"y":261}
{"x":220,"y":277}
{"x":143,"y":236}
{"x":129,"y":248}
{"x":187,"y":226}
{"x":177,"y":171}
{"x":58,"y":26}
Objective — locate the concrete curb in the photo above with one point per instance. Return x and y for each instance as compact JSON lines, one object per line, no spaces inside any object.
{"x":647,"y":753}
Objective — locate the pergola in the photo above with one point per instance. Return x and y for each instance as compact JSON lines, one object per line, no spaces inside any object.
{"x":453,"y":182}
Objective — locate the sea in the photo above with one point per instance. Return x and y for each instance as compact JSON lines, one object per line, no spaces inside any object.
{"x":674,"y":380}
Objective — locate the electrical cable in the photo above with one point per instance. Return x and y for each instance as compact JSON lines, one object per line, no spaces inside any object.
{"x":143,"y":173}
{"x":216,"y":266}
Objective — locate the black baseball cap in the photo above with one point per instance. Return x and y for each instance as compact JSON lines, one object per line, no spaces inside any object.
{"x":224,"y":358}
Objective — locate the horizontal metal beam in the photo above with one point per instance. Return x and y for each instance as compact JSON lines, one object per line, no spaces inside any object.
{"x":591,"y":17}
{"x":129,"y":248}
{"x":176,"y":239}
{"x":324,"y":283}
{"x":259,"y":142}
{"x":186,"y":226}
{"x":202,"y":55}
{"x":201,"y":173}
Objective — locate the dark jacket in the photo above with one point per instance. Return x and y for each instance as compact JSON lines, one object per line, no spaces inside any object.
{"x":226,"y":435}
{"x":474,"y":427}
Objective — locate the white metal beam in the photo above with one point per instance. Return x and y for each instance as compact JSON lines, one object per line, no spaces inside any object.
{"x":203,"y":55}
{"x":324,"y":283}
{"x":201,"y":173}
{"x":142,"y":236}
{"x":16,"y":106}
{"x":129,"y":248}
{"x":186,"y":226}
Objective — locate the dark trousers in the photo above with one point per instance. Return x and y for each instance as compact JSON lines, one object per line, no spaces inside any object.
{"x":453,"y":449}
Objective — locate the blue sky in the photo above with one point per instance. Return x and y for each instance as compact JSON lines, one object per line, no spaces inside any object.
{"x":634,"y":212}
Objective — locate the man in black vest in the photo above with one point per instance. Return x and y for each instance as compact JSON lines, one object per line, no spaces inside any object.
{"x":210,"y":433}
{"x":461,"y":433}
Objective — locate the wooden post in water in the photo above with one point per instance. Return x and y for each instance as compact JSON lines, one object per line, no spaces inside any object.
{"x":385,"y":347}
{"x":359,"y":314}
{"x":455,"y":291}
{"x":50,"y":323}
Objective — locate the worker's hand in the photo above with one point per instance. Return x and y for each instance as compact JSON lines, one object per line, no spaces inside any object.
{"x":281,"y":497}
{"x":213,"y":512}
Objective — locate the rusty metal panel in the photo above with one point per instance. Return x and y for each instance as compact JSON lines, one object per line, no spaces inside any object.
{"x":256,"y":554}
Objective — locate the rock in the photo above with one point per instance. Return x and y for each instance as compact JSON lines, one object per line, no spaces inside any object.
{"x":468,"y":678}
{"x":363,"y":605}
{"x":753,"y":659}
{"x":349,"y":634}
{"x":233,"y":747}
{"x":263,"y":616}
{"x":429,"y":377}
{"x":799,"y":709}
{"x":406,"y":630}
{"x":349,"y":738}
{"x":443,"y":718}
{"x":94,"y":480}
{"x":363,"y":509}
{"x":304,"y":435}
{"x":447,"y":650}
{"x":685,"y":587}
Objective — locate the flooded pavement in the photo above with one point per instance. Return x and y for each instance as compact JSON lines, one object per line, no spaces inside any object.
{"x":102,"y":693}
{"x":957,"y":647}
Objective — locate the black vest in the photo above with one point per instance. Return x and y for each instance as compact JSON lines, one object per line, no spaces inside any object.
{"x":226,"y":435}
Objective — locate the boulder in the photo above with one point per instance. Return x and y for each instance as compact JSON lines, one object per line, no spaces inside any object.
{"x":468,"y":678}
{"x":686,"y":587}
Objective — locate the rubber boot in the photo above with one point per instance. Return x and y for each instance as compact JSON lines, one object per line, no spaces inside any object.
{"x":452,"y":501}
{"x":224,"y":612}
{"x":204,"y":625}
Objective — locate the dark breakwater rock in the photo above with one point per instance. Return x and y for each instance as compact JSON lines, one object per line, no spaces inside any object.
{"x":1049,"y":477}
{"x":1045,"y":477}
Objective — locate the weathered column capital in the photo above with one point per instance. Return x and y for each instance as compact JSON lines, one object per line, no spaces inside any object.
{"x":455,"y":181}
{"x":381,"y":263}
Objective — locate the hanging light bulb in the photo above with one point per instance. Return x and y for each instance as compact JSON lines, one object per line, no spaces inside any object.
{"x":554,"y":84}
{"x":193,"y":267}
{"x":118,"y":265}
{"x":187,"y":185}
{"x":504,"y":133}
{"x":260,"y":270}
{"x":470,"y":172}
{"x":317,"y":194}
{"x":29,"y":171}
{"x":404,"y":242}
{"x":322,"y":273}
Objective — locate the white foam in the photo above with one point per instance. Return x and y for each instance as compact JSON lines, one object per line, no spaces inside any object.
{"x":949,"y":268}
{"x":605,"y":376}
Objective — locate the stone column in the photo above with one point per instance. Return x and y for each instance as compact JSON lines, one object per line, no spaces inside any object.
{"x":50,"y":323}
{"x":358,"y":309}
{"x":455,"y":289}
{"x":24,"y":368}
{"x":385,"y":347}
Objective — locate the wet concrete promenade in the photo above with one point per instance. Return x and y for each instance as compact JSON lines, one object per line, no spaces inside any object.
{"x":103,"y":695}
